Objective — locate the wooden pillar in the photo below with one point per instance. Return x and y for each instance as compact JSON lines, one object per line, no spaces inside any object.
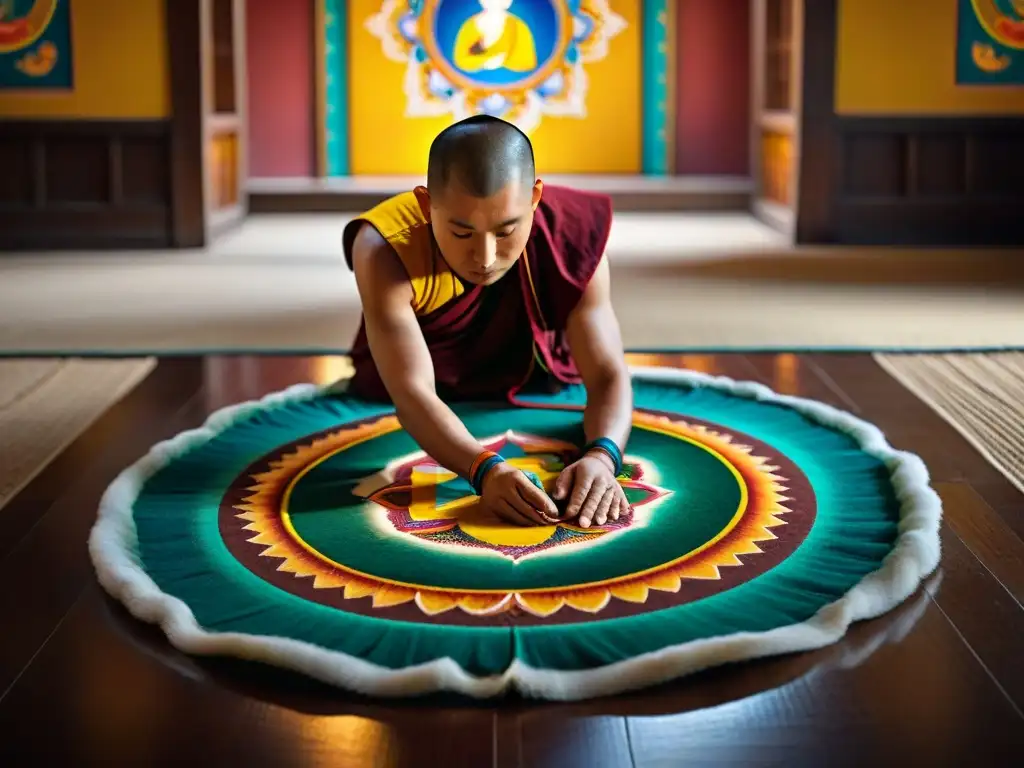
{"x":185,"y":54}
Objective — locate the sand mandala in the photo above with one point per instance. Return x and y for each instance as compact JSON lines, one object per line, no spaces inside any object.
{"x":307,"y":530}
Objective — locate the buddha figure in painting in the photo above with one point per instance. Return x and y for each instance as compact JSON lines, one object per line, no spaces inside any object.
{"x":494,"y":39}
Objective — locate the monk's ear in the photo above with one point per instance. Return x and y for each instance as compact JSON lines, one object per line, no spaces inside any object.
{"x":423,"y":198}
{"x":538,"y":193}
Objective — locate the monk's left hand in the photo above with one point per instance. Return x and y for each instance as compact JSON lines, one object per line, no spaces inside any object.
{"x":593,"y":491}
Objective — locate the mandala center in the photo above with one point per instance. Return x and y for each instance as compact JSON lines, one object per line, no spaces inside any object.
{"x":425,"y":500}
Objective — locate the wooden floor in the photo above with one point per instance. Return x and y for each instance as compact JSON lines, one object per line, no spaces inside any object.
{"x":940,"y":681}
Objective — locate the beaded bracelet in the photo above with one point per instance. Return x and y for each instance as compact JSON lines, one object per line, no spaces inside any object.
{"x":481,"y":466}
{"x":607,"y":446}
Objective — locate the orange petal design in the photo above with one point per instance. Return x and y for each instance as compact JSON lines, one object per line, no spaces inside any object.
{"x":486,"y":603}
{"x":540,"y":603}
{"x":589,"y":600}
{"x":632,"y":592}
{"x":390,"y":595}
{"x":433,"y":603}
{"x":330,"y":580}
{"x":260,"y":510}
{"x":359,"y":588}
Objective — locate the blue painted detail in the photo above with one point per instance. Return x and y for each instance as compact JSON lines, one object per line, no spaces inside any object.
{"x":583,"y":28}
{"x":553,"y":86}
{"x":336,"y":87}
{"x":655,"y":88}
{"x":407,"y":27}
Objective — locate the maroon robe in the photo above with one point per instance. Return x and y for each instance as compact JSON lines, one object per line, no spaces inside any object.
{"x":493,"y":341}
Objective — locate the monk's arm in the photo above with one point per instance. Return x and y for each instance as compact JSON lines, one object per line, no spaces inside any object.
{"x":596,"y":344}
{"x":401,"y":355}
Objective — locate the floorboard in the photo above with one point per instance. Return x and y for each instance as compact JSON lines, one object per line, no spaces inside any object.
{"x":50,"y":564}
{"x":936,"y":680}
{"x":911,"y":424}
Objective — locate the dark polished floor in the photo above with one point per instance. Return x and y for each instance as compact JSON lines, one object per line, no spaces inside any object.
{"x":939,"y":681}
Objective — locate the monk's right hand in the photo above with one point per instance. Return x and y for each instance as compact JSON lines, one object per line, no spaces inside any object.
{"x":511,"y":496}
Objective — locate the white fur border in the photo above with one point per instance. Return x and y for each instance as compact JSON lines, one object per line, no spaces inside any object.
{"x":113,"y":546}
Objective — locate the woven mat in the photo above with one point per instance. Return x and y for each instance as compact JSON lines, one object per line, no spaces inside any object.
{"x":45,"y":404}
{"x":980,"y":395}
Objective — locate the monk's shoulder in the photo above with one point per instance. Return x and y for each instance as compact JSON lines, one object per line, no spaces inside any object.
{"x":399,"y":221}
{"x":576,"y":222}
{"x":572,"y":227}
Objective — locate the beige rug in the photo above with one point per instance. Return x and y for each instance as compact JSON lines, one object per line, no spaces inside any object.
{"x":46,"y":403}
{"x":981,"y":396}
{"x":694,"y":282}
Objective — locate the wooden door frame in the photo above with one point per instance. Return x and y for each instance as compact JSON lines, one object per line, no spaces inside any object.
{"x":188,"y":39}
{"x":817,"y":156}
{"x":185,"y":65}
{"x":810,"y":216}
{"x":221,"y":220}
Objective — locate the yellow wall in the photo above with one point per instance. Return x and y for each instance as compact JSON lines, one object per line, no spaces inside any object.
{"x":120,"y":65}
{"x":608,"y":140}
{"x":899,"y":57}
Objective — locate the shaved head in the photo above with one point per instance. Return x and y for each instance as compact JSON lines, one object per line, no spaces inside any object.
{"x":483,"y":154}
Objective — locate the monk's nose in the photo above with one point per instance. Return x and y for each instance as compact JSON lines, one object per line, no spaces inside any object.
{"x":489,"y":253}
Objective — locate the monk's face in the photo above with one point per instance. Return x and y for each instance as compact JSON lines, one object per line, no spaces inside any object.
{"x":481,"y":238}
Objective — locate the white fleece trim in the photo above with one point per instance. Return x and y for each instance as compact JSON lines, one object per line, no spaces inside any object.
{"x":113,"y":546}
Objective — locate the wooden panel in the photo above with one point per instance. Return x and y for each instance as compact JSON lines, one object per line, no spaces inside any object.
{"x":776,"y":166}
{"x":941,"y":165}
{"x":997,"y":161}
{"x":84,"y":184}
{"x":78,"y":169}
{"x":778,"y":53}
{"x":16,"y":184}
{"x":929,"y":180}
{"x":223,"y":159}
{"x":874,"y":166}
{"x":150,"y":179}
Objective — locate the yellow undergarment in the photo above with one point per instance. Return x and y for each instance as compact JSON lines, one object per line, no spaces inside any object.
{"x":401,"y":223}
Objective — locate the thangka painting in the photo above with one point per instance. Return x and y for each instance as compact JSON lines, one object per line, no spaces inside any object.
{"x":35,"y":45}
{"x":399,"y":71}
{"x":990,"y":42}
{"x":519,"y":60}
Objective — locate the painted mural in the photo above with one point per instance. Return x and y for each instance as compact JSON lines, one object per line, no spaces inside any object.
{"x":990,"y":42}
{"x":35,"y":45}
{"x":519,"y":60}
{"x":589,"y":80}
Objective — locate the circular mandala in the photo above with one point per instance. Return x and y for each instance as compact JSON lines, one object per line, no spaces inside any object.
{"x":309,"y":531}
{"x":1003,"y":20}
{"x":24,"y":23}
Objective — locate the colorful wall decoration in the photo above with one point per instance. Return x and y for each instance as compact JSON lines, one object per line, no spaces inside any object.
{"x":990,"y":42}
{"x":118,"y":65}
{"x":35,"y":45}
{"x":591,"y":83}
{"x":898,"y":58}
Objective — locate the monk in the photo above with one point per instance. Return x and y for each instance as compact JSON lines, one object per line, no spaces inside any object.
{"x":493,"y":39}
{"x":483,"y":285}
